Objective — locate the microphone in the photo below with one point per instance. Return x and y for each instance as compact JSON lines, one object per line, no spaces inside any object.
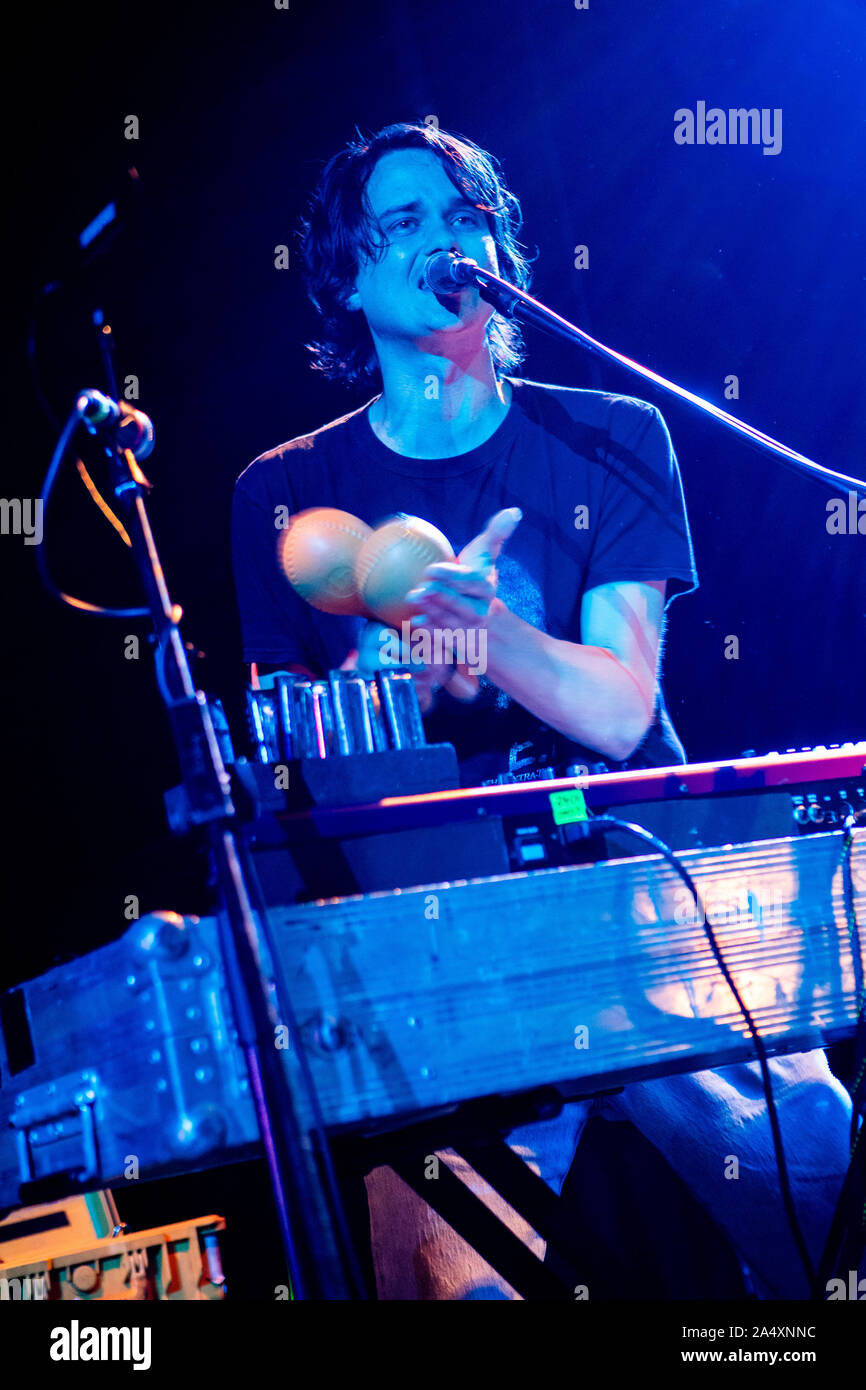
{"x":131,"y":428}
{"x":444,"y":272}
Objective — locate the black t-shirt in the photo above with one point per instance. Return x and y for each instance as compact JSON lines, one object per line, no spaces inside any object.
{"x":598,"y":483}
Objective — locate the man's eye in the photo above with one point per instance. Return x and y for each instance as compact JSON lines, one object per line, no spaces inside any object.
{"x":468,"y":216}
{"x":402,"y":223}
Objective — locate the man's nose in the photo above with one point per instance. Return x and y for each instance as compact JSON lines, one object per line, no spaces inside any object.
{"x":436,"y":245}
{"x":445,"y":238}
{"x":452,"y":245}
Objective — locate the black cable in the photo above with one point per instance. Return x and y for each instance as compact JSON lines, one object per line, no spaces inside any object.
{"x":840,"y":1246}
{"x":600,"y":824}
{"x":846,"y":1239}
{"x":80,"y":605}
{"x":45,"y":404}
{"x":159,"y":656}
{"x":858,"y":1087}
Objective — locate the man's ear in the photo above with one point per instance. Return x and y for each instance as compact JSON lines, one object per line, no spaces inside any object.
{"x":352,"y":301}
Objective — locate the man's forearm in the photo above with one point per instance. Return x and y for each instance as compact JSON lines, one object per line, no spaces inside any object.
{"x":583,"y":692}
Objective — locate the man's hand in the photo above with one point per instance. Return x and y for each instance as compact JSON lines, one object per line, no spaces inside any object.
{"x":461,"y":593}
{"x":368,"y":658}
{"x":453,"y":595}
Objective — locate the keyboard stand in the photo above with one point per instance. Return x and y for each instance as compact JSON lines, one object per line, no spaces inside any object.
{"x":476,"y":1131}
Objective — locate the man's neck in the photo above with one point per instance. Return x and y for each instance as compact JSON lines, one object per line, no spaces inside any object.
{"x":421,"y":415}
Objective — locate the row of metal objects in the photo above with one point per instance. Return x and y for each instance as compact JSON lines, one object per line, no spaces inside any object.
{"x":303,"y":718}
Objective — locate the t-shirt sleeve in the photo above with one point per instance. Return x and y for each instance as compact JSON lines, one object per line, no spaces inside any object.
{"x":642,"y":532}
{"x":275,"y":621}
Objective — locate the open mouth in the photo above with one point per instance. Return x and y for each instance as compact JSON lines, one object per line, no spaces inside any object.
{"x":451,"y":294}
{"x":449,"y":301}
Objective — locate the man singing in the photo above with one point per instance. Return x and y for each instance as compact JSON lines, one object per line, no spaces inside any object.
{"x":566,"y":511}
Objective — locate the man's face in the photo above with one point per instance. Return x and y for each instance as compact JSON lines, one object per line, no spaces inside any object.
{"x":418,"y":211}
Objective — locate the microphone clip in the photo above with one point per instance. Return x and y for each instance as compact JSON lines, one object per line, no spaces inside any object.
{"x":118,"y":421}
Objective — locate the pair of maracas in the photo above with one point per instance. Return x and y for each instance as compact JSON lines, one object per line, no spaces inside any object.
{"x":340,"y":565}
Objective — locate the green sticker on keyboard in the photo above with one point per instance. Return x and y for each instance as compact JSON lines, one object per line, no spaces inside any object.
{"x":568,"y":807}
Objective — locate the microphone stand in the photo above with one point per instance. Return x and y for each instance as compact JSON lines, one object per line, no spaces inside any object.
{"x":507,"y":299}
{"x":319,"y":1254}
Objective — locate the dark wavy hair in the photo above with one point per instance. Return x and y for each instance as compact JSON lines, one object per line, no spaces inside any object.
{"x":339,"y":225}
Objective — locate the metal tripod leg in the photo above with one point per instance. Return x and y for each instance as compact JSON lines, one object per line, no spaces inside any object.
{"x":475,"y":1131}
{"x":478,"y":1226}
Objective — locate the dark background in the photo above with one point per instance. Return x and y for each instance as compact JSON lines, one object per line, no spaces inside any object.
{"x":704,"y":261}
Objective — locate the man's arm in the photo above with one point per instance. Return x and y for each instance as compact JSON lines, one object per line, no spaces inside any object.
{"x":601,"y":691}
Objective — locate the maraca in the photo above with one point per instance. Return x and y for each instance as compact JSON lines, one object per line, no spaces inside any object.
{"x":392,"y":560}
{"x":318,"y":553}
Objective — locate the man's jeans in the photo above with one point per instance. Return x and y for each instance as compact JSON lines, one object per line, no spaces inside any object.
{"x":711,"y":1127}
